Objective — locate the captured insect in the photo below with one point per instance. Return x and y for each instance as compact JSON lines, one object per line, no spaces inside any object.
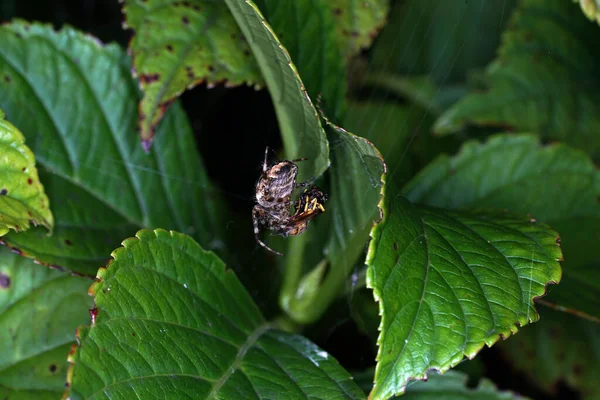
{"x":273,"y":210}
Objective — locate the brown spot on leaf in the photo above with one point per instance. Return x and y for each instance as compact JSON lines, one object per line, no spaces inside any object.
{"x":337,"y":12}
{"x":133,"y":334}
{"x":185,"y":20}
{"x":53,"y":368}
{"x":29,"y":181}
{"x":3,"y":192}
{"x":68,"y":242}
{"x":169,"y":48}
{"x":395,"y":246}
{"x":4,"y":281}
{"x":211,"y":69}
{"x":149,"y":78}
{"x":93,"y":314}
{"x":247,"y":53}
{"x":6,"y":78}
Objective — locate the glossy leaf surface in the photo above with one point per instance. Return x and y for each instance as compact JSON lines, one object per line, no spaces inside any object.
{"x":301,"y":130}
{"x":556,"y":184}
{"x":22,"y":197}
{"x":449,"y":283}
{"x":171,"y":319}
{"x":40,"y":310}
{"x":177,"y":45}
{"x":534,"y":84}
{"x":76,"y":107}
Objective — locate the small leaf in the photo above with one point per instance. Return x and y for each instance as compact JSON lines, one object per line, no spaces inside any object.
{"x":534,"y":85}
{"x":530,"y":175}
{"x":22,"y":197}
{"x":171,"y":319}
{"x":297,"y":24}
{"x":440,"y":38}
{"x":591,"y":9}
{"x":562,"y":348}
{"x":177,"y":45}
{"x":301,"y":130}
{"x":357,"y":22}
{"x":449,"y":283}
{"x":357,"y":170}
{"x":39,"y":312}
{"x":450,"y":386}
{"x":80,"y":122}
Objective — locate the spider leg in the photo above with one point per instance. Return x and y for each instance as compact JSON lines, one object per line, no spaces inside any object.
{"x":306,"y":183}
{"x":300,"y":159}
{"x":265,"y":162}
{"x":255,"y":223}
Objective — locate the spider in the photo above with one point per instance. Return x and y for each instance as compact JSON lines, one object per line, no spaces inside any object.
{"x":274,"y":201}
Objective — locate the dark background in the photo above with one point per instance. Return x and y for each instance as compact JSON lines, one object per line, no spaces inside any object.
{"x":232,"y":128}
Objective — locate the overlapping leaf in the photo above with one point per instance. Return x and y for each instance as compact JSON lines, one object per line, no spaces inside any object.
{"x":449,"y":283}
{"x":556,"y":184}
{"x":39,"y":312}
{"x":302,"y":133}
{"x":179,"y":44}
{"x":591,"y":8}
{"x":562,"y":349}
{"x":441,"y":38}
{"x":357,"y":22}
{"x":544,"y":80}
{"x":76,"y":107}
{"x":171,"y":319}
{"x":22,"y":197}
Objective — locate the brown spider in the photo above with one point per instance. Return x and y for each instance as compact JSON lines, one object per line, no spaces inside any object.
{"x":274,"y":201}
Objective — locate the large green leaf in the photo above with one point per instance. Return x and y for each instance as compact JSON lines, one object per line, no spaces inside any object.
{"x":535,"y":84}
{"x":76,"y":108}
{"x":179,"y":44}
{"x":22,"y":197}
{"x":562,"y":348}
{"x":319,"y":62}
{"x":302,"y":133}
{"x":449,"y":283}
{"x":357,"y":22}
{"x":450,"y":386}
{"x":556,"y":184}
{"x":591,"y":8}
{"x":171,"y":319}
{"x":39,"y":312}
{"x":445,"y":39}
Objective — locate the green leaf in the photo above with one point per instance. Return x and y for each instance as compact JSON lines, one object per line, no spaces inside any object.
{"x":39,"y":312}
{"x":22,"y":197}
{"x":171,"y":319}
{"x":357,"y":170}
{"x":177,"y":45}
{"x":591,"y":8}
{"x":449,"y":283}
{"x":530,"y":175}
{"x":450,"y":386}
{"x":445,"y":39}
{"x":562,"y":348}
{"x":301,"y":130}
{"x":357,"y":22}
{"x":534,"y":85}
{"x":297,"y":24}
{"x":76,"y":108}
